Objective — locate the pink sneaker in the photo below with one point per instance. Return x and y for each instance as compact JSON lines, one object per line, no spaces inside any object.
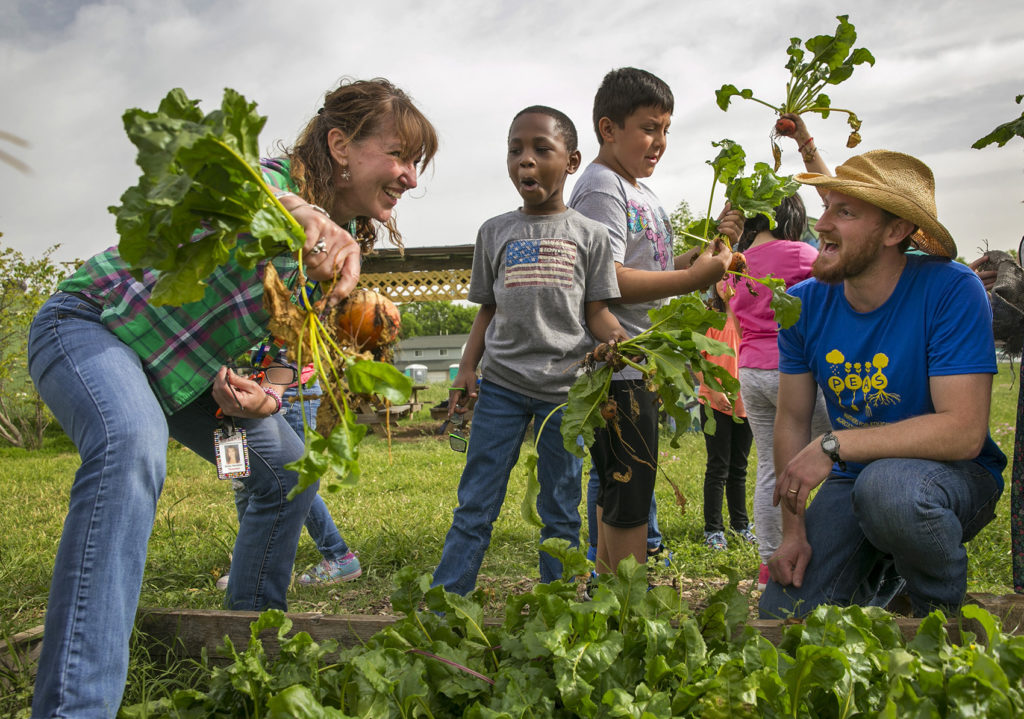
{"x":763,"y":575}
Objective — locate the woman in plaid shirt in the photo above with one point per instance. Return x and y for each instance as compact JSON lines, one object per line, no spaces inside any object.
{"x":122,"y":375}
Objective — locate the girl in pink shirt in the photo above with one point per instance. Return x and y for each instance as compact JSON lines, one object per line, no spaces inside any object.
{"x":781,"y":253}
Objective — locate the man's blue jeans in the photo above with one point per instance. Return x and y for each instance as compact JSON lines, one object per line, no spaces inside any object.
{"x":319,"y":522}
{"x":98,"y":391}
{"x":500,"y":419}
{"x":900,"y":521}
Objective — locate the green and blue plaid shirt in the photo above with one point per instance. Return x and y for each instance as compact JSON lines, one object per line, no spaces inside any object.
{"x":182,"y":348}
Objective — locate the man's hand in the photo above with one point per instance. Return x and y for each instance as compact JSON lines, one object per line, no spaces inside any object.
{"x":809,"y":468}
{"x":789,"y":562}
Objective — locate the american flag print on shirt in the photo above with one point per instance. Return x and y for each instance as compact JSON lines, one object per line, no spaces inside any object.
{"x":540,"y":263}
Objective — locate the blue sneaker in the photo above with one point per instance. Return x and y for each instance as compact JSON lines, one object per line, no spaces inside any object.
{"x":716,"y":541}
{"x":332,"y":571}
{"x":747,"y":534}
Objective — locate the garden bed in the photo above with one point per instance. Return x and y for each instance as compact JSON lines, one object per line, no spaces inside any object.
{"x":191,"y":632}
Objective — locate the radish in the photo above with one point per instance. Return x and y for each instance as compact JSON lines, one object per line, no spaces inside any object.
{"x":823,"y":60}
{"x":785,"y":127}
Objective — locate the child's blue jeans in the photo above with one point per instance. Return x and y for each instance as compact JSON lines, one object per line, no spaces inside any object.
{"x":500,"y":419}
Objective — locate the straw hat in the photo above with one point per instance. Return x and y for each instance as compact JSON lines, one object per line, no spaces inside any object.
{"x":899,"y":183}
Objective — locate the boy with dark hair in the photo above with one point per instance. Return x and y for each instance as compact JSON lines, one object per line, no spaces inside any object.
{"x":542,"y":275}
{"x":632,"y":113}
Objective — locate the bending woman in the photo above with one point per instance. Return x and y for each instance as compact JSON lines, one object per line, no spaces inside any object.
{"x":121,"y":375}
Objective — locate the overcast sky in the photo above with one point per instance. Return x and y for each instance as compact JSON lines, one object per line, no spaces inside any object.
{"x":946,"y":73}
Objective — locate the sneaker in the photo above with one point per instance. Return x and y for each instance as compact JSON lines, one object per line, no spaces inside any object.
{"x":332,"y":571}
{"x":660,"y":554}
{"x":222,"y":583}
{"x":747,"y":534}
{"x":716,"y":541}
{"x":763,"y":575}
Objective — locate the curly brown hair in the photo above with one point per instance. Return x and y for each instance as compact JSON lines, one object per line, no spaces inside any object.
{"x":358,"y":108}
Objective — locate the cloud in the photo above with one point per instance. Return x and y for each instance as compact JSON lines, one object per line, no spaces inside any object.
{"x":946,"y":74}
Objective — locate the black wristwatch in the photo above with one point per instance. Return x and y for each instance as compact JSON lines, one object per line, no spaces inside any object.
{"x":830,"y":446}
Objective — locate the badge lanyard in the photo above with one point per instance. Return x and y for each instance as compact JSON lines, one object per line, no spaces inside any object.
{"x":231,"y":450}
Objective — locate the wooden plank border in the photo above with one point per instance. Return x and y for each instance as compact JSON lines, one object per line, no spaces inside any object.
{"x":188,"y":632}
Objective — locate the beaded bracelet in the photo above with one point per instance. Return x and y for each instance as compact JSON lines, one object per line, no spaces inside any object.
{"x":271,"y":392}
{"x":808,"y":154}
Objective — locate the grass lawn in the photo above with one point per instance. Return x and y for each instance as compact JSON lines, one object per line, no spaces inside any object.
{"x":396,"y":516}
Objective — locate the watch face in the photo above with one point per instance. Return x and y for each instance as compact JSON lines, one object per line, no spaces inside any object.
{"x":830,"y":444}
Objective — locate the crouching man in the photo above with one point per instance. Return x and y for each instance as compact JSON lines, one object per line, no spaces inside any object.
{"x":901,"y":345}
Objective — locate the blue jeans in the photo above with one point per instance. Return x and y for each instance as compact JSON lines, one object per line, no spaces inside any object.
{"x":593,"y":484}
{"x":319,"y":523}
{"x":900,"y":521}
{"x":98,"y":391}
{"x":500,"y":419}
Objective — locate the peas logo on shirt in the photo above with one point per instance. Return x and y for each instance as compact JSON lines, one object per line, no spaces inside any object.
{"x":639,"y":221}
{"x":859,"y":386}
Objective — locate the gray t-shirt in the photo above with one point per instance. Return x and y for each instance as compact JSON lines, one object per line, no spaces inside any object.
{"x":638,"y":230}
{"x":539,"y":271}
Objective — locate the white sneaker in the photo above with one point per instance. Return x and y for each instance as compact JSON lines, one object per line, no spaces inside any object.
{"x":222,"y":583}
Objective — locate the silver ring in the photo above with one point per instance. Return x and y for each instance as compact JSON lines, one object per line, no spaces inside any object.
{"x":320,"y":246}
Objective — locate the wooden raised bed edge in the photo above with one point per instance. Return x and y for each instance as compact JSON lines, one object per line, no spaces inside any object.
{"x":187,"y":632}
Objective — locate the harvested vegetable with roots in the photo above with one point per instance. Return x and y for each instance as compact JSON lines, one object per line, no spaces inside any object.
{"x":831,"y":61}
{"x":367,"y":320}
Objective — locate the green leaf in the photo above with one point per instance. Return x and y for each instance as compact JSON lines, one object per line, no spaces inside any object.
{"x":729,"y":161}
{"x":785,"y":306}
{"x":378,"y":378}
{"x":583,"y":412}
{"x":1003,"y":133}
{"x":200,"y":189}
{"x":337,"y":453}
{"x":574,"y":560}
{"x":725,"y":93}
{"x":528,"y":507}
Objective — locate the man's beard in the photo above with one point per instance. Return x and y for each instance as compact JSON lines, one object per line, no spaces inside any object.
{"x":841,"y":268}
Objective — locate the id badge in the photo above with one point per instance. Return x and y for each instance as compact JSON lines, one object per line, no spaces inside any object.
{"x":232,"y":453}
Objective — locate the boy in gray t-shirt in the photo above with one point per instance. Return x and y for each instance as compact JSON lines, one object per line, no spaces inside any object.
{"x":542,"y":275}
{"x":632,"y":112}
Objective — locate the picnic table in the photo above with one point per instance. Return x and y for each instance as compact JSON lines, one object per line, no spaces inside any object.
{"x":367,"y":413}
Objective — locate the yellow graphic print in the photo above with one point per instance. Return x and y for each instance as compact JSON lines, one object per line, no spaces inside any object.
{"x":858,"y":384}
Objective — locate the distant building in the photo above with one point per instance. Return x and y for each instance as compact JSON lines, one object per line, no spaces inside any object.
{"x":436,"y":352}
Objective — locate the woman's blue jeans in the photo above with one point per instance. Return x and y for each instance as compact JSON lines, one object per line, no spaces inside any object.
{"x":319,"y":522}
{"x":500,"y":419}
{"x":97,"y":389}
{"x":901,"y":522}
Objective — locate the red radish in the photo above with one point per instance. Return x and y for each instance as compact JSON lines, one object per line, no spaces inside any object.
{"x":368,"y":319}
{"x":785,"y":127}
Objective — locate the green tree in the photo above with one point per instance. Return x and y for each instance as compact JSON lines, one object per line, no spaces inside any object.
{"x":681,"y":218}
{"x":24,"y":286}
{"x":435,"y":318}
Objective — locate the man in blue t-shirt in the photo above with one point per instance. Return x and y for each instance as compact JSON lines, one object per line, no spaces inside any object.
{"x":901,"y":345}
